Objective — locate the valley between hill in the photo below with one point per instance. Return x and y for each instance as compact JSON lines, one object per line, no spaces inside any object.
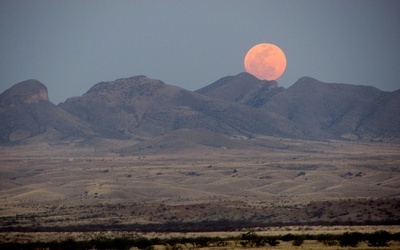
{"x":81,"y":185}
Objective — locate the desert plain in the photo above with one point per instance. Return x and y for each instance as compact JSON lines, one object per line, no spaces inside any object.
{"x":213,"y":186}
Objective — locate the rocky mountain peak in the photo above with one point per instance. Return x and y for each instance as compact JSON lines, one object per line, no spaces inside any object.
{"x":243,"y":83}
{"x":246,"y":77}
{"x":243,"y":88}
{"x":29,"y":91}
{"x":234,"y":105}
{"x":136,"y":85}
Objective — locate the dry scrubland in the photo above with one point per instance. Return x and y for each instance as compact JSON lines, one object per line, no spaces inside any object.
{"x":81,"y":186}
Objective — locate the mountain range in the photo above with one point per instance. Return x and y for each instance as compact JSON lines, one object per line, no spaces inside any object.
{"x":234,"y":106}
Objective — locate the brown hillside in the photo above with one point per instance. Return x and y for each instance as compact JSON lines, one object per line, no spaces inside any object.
{"x":144,"y":106}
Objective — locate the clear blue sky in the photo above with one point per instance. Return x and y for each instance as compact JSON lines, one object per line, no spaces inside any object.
{"x":71,"y":45}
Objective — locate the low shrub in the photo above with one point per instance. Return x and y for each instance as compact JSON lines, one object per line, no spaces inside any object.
{"x":288,"y":237}
{"x":253,"y":239}
{"x":298,"y":241}
{"x":272,"y":241}
{"x":379,"y":239}
{"x":350,"y":239}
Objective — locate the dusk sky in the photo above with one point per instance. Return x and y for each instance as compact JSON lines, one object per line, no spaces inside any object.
{"x":72,"y":45}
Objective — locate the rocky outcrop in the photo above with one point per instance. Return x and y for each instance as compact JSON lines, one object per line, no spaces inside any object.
{"x":30,"y":91}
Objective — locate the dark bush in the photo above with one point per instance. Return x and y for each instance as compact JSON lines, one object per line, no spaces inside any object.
{"x":288,"y":237}
{"x":174,"y":247}
{"x":330,"y":243}
{"x":11,"y":246}
{"x":253,"y":240}
{"x":322,"y":237}
{"x":396,"y":236}
{"x":143,"y":243}
{"x":62,"y":245}
{"x":298,"y":241}
{"x":272,"y":241}
{"x":244,"y":243}
{"x":69,"y":244}
{"x":350,"y":239}
{"x":103,"y":243}
{"x":121,"y":243}
{"x":174,"y":243}
{"x":379,"y":239}
{"x":327,"y":239}
{"x":202,"y":241}
{"x":219,"y":242}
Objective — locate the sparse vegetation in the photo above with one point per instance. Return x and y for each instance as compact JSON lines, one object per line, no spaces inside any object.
{"x":379,"y":239}
{"x":350,"y":239}
{"x":298,"y":241}
{"x":247,"y":240}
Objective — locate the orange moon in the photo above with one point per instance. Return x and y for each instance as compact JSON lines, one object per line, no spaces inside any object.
{"x":265,"y":61}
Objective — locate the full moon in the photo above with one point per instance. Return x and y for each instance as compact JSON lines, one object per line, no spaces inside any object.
{"x":265,"y":61}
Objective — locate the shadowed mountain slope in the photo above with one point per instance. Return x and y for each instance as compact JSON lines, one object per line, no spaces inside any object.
{"x":332,"y":110}
{"x":243,"y":88}
{"x":235,"y":105}
{"x":25,"y":111}
{"x":316,"y":109}
{"x":144,"y":106}
{"x":29,"y":91}
{"x":383,"y":120}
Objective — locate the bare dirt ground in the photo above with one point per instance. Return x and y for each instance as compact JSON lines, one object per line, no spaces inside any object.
{"x":81,"y":186}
